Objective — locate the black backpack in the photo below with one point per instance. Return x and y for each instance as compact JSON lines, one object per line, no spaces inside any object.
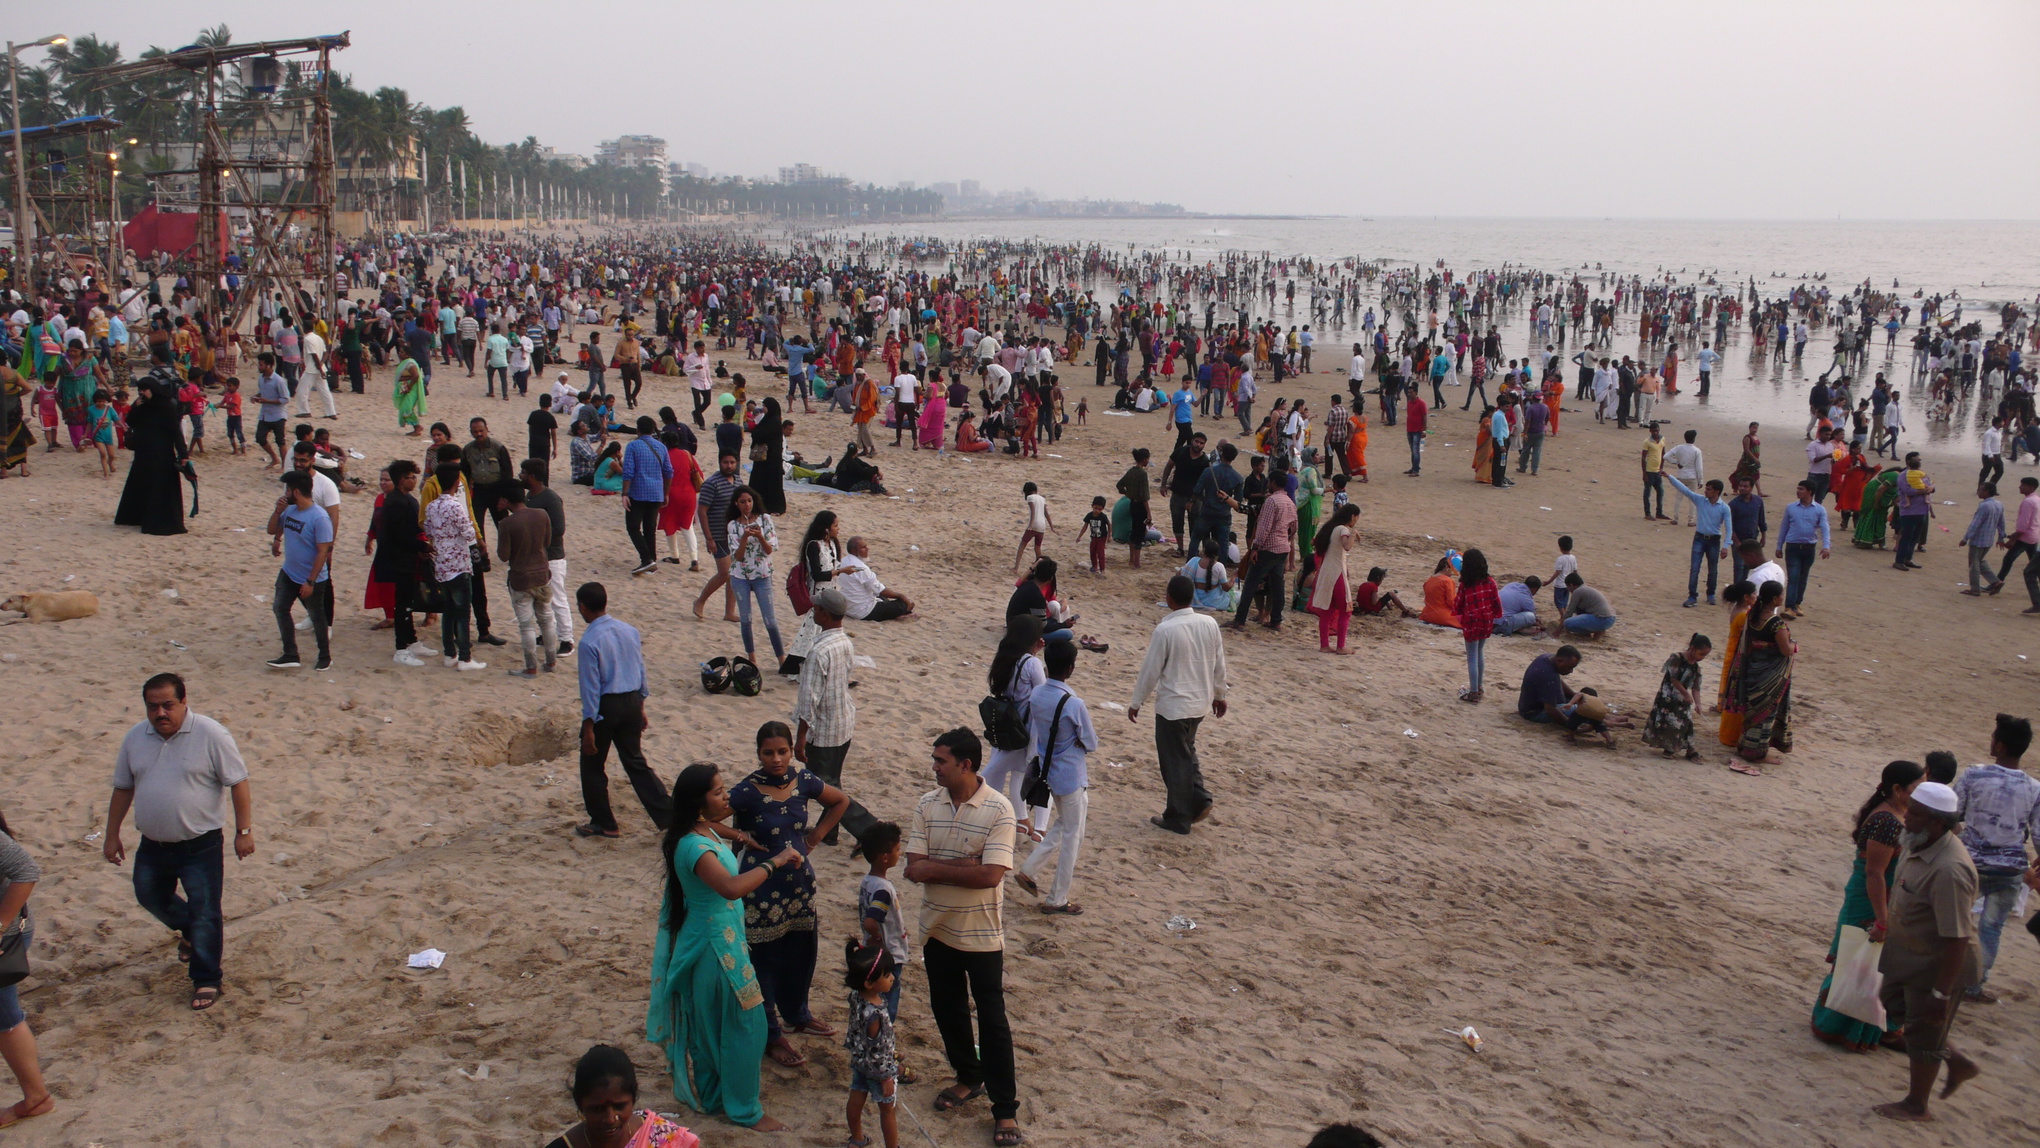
{"x":1004,"y":728}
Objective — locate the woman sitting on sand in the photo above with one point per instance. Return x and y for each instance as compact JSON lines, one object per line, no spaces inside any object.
{"x":609,"y":470}
{"x":967,"y":439}
{"x":606,"y":1091}
{"x":1440,"y":589}
{"x":1212,"y":583}
{"x":707,"y":1011}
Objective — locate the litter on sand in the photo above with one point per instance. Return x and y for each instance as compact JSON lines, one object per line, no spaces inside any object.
{"x":862,"y":662}
{"x":1468,"y":1035}
{"x":481,"y":1072}
{"x":169,"y":593}
{"x":1122,"y":709}
{"x":1180,"y":924}
{"x":70,"y":577}
{"x":428,"y":959}
{"x":177,"y":645}
{"x":1409,"y":733}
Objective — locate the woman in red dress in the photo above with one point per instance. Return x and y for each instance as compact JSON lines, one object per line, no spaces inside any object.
{"x":677,"y":516}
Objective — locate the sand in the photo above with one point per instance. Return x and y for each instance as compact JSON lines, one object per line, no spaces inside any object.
{"x":1638,"y":940}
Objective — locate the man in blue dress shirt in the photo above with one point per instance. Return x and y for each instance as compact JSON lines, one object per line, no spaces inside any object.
{"x":612,"y":713}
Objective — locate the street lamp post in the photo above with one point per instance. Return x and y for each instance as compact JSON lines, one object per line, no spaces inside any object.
{"x":21,"y":223}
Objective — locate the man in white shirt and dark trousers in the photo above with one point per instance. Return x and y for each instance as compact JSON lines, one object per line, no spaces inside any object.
{"x":171,"y":771}
{"x":869,"y":600}
{"x":1059,"y":729}
{"x":1185,"y":671}
{"x":824,"y":716}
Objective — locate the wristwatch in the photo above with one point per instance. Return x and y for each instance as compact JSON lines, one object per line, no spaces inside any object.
{"x":244,"y":832}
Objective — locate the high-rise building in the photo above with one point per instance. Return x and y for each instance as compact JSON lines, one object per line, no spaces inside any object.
{"x":802,"y":173}
{"x":647,"y":152}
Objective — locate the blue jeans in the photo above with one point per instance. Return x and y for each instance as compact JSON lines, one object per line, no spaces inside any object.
{"x":10,"y":1000}
{"x":1531,"y":454}
{"x":1706,"y":546}
{"x":1999,"y":889}
{"x":1588,"y":624}
{"x":160,"y":867}
{"x":1511,"y":623}
{"x":761,"y":589}
{"x":1798,"y":564}
{"x":1416,"y":451}
{"x":1476,"y":663}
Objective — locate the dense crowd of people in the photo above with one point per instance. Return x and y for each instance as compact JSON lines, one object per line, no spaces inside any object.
{"x":982,"y":351}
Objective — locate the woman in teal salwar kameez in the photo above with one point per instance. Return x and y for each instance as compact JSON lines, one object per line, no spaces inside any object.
{"x":706,"y":1009}
{"x":1867,"y":895}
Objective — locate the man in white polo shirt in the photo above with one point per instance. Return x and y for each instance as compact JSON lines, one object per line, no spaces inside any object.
{"x":171,"y":771}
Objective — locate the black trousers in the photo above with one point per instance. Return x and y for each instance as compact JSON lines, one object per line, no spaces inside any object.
{"x":956,"y":979}
{"x":701,"y":401}
{"x":616,"y":723}
{"x":1266,"y":571}
{"x":641,"y":522}
{"x":786,"y":972}
{"x":1176,"y":749}
{"x":886,"y":609}
{"x":826,"y":762}
{"x":405,"y":591}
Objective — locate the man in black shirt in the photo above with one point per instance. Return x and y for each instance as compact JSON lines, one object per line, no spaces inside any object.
{"x":544,"y":431}
{"x":729,"y":434}
{"x":398,"y":544}
{"x":1179,"y":477}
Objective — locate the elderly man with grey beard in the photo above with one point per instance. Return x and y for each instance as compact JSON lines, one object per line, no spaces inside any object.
{"x":1930,"y":950}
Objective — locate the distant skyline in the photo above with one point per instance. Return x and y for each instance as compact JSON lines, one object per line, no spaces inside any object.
{"x":1736,"y":109}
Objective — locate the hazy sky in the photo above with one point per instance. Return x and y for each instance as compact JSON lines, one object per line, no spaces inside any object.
{"x":1638,"y":108}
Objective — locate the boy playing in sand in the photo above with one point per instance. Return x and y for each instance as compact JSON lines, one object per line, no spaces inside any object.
{"x":1098,"y":527}
{"x":1038,"y":523}
{"x":1371,"y":600}
{"x":1566,"y":564}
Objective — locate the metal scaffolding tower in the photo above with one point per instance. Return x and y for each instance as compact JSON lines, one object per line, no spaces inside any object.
{"x":277,"y":169}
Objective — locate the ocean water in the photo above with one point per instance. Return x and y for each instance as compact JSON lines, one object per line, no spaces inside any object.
{"x":1985,"y":262}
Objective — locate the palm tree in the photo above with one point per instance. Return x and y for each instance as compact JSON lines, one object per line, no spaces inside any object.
{"x":82,"y":92}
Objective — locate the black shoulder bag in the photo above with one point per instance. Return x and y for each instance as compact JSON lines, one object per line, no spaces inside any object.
{"x":1034,"y":789}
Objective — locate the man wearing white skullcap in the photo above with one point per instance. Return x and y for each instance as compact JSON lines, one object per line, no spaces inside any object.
{"x":1930,"y":952}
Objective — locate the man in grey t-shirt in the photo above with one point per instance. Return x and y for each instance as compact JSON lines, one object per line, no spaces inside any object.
{"x":171,"y":771}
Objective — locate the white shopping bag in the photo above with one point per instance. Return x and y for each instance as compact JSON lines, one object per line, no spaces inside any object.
{"x":1853,"y":992}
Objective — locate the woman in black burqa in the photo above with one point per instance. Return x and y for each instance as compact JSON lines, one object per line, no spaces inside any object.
{"x":153,"y":498}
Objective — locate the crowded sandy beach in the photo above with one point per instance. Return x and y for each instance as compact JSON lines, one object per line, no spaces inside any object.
{"x":1392,"y":900}
{"x":509,"y":648}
